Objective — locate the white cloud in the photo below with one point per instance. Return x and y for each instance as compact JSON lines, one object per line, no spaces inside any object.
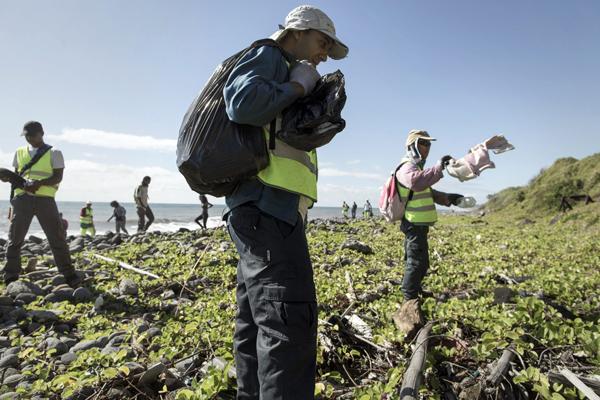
{"x":84,"y":179}
{"x":114,"y":140}
{"x":323,"y":164}
{"x":334,"y":172}
{"x":331,"y":194}
{"x":353,"y":162}
{"x":6,"y":160}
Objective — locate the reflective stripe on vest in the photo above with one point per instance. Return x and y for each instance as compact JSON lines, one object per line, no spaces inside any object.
{"x":87,"y":220}
{"x":291,"y":169}
{"x":40,"y":170}
{"x":420,"y":210}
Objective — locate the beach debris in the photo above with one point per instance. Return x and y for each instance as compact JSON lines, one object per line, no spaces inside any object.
{"x":126,"y":266}
{"x":413,"y":376}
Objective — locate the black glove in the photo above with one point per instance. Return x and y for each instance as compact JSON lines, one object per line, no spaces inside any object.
{"x":444,"y":161}
{"x":453,"y":198}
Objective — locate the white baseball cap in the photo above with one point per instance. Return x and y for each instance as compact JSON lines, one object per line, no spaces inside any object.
{"x":309,"y":17}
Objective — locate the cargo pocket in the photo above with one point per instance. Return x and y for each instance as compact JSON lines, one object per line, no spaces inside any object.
{"x":289,"y":314}
{"x":243,"y":223}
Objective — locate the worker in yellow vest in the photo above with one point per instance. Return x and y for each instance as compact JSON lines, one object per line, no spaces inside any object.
{"x":414,"y":184}
{"x":86,"y":220}
{"x":42,"y":166}
{"x":345,"y":208}
{"x":276,"y":323}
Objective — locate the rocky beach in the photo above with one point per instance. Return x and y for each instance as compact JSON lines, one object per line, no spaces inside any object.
{"x":155,"y":315}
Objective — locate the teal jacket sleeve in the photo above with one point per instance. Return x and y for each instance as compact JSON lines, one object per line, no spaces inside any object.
{"x":258,"y":89}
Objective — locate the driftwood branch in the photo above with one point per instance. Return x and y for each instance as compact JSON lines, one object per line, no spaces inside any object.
{"x":591,"y":384}
{"x":351,"y":293}
{"x":413,"y":375}
{"x":502,"y":366}
{"x":126,"y":266}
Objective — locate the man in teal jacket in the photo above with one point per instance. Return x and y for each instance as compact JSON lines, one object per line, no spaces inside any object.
{"x":276,"y":323}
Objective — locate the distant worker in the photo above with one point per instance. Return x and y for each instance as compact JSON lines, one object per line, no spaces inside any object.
{"x":64,"y":222}
{"x":86,"y":220}
{"x":204,"y":216}
{"x":140,"y":196}
{"x":119,"y":214}
{"x":42,"y":167}
{"x":345,"y":209}
{"x":367,"y":210}
{"x":353,"y":210}
{"x":415,"y":185}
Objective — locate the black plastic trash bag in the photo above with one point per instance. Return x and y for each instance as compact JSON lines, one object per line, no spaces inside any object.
{"x":314,"y":120}
{"x":213,"y":153}
{"x":16,"y":180}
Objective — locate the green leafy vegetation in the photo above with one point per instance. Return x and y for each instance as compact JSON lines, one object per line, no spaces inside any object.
{"x":541,"y":197}
{"x":552,"y":318}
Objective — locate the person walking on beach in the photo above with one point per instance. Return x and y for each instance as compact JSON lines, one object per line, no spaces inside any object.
{"x":204,"y":216}
{"x":353,"y":210}
{"x":119,"y":214}
{"x":276,"y":323}
{"x":140,"y":196}
{"x":345,"y":209}
{"x":42,"y":166}
{"x":86,"y":220}
{"x":367,"y":210}
{"x":415,"y":183}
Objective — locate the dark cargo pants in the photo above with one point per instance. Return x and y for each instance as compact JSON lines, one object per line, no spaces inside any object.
{"x":416,"y":258}
{"x":144,"y":213}
{"x":276,"y":323}
{"x":25,"y":207}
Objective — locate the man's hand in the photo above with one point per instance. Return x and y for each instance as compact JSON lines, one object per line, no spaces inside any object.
{"x":305,"y":74}
{"x":444,"y":161}
{"x":32,"y":186}
{"x":454,"y":198}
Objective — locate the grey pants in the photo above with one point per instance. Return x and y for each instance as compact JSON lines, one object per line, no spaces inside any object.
{"x":25,"y":207}
{"x":416,"y":258}
{"x":120,"y":225}
{"x":276,"y":323}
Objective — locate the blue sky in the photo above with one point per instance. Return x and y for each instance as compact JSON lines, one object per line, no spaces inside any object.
{"x":100,"y":74}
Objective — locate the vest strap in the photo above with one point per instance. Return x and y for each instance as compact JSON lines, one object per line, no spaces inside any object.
{"x":272,"y":128}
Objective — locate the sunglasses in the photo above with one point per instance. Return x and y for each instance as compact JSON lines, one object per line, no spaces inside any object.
{"x":425,"y":143}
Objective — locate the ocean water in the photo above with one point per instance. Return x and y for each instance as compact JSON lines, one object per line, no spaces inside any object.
{"x":168,"y":217}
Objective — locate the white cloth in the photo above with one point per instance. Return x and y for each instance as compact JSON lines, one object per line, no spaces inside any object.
{"x":498,"y":144}
{"x":478,"y":159}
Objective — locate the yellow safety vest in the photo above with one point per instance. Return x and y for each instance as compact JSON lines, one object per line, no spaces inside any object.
{"x":420,"y":210}
{"x":86,"y":220}
{"x":40,"y":170}
{"x":290,"y":169}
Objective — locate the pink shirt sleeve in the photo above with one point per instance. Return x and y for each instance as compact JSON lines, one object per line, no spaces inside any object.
{"x":418,"y":180}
